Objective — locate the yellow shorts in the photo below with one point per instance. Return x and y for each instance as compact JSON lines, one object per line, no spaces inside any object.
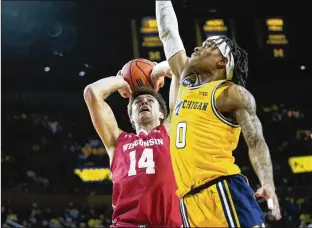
{"x":229,"y":202}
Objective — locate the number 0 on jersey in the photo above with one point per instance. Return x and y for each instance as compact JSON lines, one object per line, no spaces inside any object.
{"x":181,"y":135}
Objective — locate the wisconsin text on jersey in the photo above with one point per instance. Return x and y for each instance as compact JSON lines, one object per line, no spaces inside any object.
{"x":140,"y":142}
{"x":198,"y":105}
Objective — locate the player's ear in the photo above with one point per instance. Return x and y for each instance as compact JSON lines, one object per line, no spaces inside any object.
{"x":222,"y":61}
{"x":161,"y":116}
{"x":132,"y":122}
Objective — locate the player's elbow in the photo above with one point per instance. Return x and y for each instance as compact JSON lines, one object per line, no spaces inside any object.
{"x":89,"y":94}
{"x":257,"y":144}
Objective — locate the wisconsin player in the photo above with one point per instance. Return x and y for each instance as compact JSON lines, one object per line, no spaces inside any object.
{"x":211,"y":110}
{"x":143,"y":181}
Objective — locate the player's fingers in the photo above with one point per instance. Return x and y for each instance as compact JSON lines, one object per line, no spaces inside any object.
{"x":276,"y":212}
{"x":128,"y":92}
{"x":128,"y":89}
{"x":157,"y":87}
{"x":154,"y":79}
{"x":123,"y":95}
{"x":161,"y":83}
{"x":259,"y":192}
{"x":126,"y":95}
{"x":268,"y":194}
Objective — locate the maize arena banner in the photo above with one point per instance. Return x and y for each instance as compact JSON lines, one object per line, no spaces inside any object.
{"x":146,"y":41}
{"x":94,"y":174}
{"x":273,"y":40}
{"x":300,"y":164}
{"x":206,"y":28}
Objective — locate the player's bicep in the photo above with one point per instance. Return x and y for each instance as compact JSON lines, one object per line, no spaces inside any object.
{"x":177,"y":63}
{"x":103,"y":120}
{"x":247,"y":118}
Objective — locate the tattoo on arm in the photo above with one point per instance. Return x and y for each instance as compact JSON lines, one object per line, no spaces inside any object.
{"x":259,"y":153}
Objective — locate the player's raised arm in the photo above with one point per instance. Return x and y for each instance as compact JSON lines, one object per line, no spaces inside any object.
{"x":102,"y":116}
{"x":169,"y":34}
{"x":259,"y":153}
{"x":159,"y":71}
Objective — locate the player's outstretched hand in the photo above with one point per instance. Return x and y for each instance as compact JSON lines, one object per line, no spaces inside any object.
{"x":158,"y":74}
{"x":125,"y":91}
{"x":269,"y":194}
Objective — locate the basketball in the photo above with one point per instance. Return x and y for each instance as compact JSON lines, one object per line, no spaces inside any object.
{"x":137,"y":73}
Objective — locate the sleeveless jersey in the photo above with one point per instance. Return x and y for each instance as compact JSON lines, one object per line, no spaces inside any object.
{"x":202,"y":140}
{"x":143,"y":181}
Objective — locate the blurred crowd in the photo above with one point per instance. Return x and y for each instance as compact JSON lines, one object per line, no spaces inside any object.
{"x":70,"y":217}
{"x":40,"y":151}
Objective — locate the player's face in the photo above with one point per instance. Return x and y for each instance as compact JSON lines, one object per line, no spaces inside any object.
{"x":145,"y":109}
{"x":206,"y":58}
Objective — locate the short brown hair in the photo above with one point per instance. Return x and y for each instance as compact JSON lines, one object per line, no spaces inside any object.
{"x":148,"y":91}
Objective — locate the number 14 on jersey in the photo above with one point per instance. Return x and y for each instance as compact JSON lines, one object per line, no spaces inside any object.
{"x":146,"y":161}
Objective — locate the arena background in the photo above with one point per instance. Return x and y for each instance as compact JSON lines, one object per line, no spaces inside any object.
{"x":54,"y":168}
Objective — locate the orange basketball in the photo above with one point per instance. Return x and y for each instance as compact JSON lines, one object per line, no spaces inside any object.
{"x":137,"y":73}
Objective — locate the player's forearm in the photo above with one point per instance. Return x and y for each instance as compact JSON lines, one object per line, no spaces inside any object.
{"x":260,"y":159}
{"x":246,"y":116}
{"x":163,"y":69}
{"x":258,"y":150}
{"x":168,"y":28}
{"x":104,"y":87}
{"x":166,"y":17}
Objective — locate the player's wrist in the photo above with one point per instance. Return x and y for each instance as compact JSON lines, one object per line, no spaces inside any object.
{"x":268,"y":182}
{"x":162,"y":69}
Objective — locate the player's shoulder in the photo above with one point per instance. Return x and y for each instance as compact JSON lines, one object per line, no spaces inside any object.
{"x":161,"y":129}
{"x":237,"y":89}
{"x":240,"y":96}
{"x":125,"y":136}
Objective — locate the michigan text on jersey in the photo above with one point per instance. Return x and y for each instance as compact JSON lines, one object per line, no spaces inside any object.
{"x":191,"y":105}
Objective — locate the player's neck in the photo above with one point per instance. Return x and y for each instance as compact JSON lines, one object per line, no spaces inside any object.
{"x":209,"y":77}
{"x":146,"y":128}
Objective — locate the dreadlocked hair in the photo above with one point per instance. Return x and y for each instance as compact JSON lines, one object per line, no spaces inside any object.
{"x":148,"y":91}
{"x":240,"y":71}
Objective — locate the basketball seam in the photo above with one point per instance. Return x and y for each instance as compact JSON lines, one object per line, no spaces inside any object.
{"x":148,"y":79}
{"x":144,"y":62}
{"x":131,"y":74}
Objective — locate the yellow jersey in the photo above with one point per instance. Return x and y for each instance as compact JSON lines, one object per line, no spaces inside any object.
{"x":201,"y":139}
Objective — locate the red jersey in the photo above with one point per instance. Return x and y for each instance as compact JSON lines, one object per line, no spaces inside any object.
{"x":143,"y":182}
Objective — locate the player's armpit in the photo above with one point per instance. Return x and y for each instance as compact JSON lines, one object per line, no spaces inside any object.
{"x":247,"y":118}
{"x":173,"y":93}
{"x":103,"y":119}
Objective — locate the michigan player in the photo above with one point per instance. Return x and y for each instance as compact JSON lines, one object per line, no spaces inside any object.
{"x":212,"y":108}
